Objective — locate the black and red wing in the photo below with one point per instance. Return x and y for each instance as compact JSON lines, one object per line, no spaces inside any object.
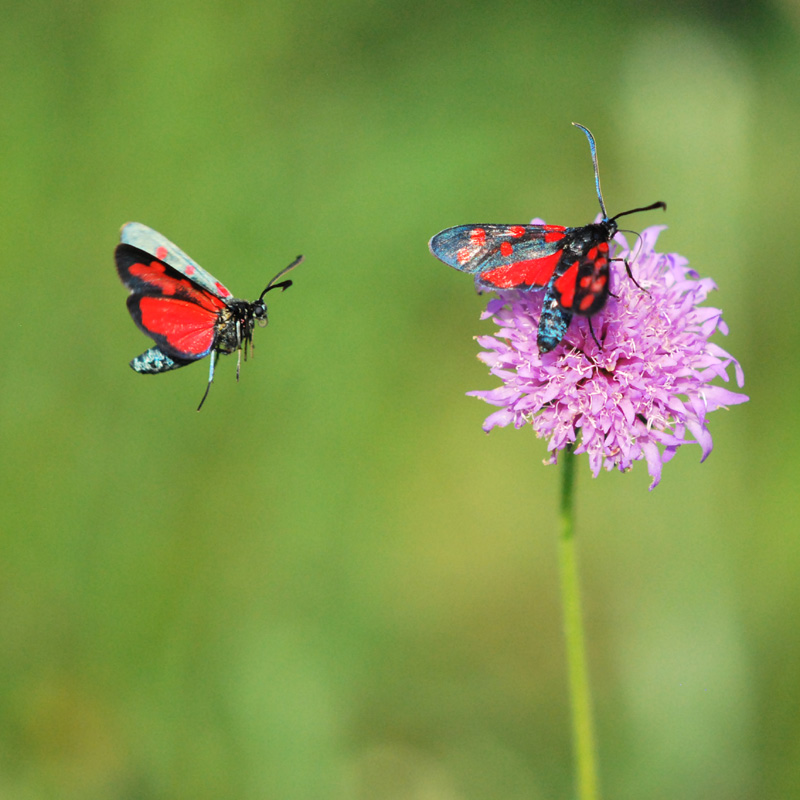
{"x":156,"y":244}
{"x":502,"y":256}
{"x":583,"y":286}
{"x":171,"y":309}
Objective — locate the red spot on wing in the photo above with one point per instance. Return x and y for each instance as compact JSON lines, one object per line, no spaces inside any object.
{"x":603,"y":247}
{"x":477,"y":237}
{"x":187,"y":327}
{"x":222,"y":289}
{"x":464,"y":254}
{"x":586,"y":302}
{"x":553,"y":233}
{"x":565,"y":286}
{"x":592,"y":254}
{"x":533,"y":272}
{"x":506,"y":248}
{"x":189,"y":270}
{"x":516,"y":230}
{"x":161,"y":252}
{"x":159,"y":279}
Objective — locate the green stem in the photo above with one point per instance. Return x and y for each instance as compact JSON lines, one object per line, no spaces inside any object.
{"x":580,"y":695}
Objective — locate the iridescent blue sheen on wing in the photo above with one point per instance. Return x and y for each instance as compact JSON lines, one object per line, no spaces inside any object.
{"x":477,"y":248}
{"x":153,"y":361}
{"x":553,"y":323}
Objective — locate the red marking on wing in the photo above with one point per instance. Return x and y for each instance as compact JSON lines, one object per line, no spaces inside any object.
{"x":586,"y":302}
{"x":156,"y":277}
{"x":477,"y":237}
{"x":565,"y":285}
{"x":533,"y":272}
{"x":516,"y":230}
{"x":553,"y":233}
{"x":592,"y":254}
{"x":603,"y":247}
{"x":222,"y":289}
{"x":464,"y":254}
{"x":189,"y":270}
{"x":506,"y":248}
{"x":186,"y":326}
{"x":161,"y":252}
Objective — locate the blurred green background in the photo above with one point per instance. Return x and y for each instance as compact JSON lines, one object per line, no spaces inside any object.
{"x":331,"y":583}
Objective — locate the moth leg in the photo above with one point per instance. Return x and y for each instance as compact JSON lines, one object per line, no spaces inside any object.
{"x":210,"y":378}
{"x":594,"y":336}
{"x":239,"y":349}
{"x":630,"y":274}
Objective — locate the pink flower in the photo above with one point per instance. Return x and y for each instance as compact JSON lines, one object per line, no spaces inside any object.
{"x":645,"y":392}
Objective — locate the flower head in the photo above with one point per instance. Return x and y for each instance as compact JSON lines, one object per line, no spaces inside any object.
{"x":644,"y":393}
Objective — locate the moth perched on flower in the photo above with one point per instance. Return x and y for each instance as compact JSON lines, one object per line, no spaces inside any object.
{"x":640,"y":395}
{"x":572,"y":265}
{"x":636,"y":383}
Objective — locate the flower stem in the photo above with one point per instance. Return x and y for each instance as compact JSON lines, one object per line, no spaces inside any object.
{"x":580,"y":695}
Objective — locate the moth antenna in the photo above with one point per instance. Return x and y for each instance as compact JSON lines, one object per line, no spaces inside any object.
{"x":593,"y":148}
{"x":283,"y":285}
{"x":659,"y":204}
